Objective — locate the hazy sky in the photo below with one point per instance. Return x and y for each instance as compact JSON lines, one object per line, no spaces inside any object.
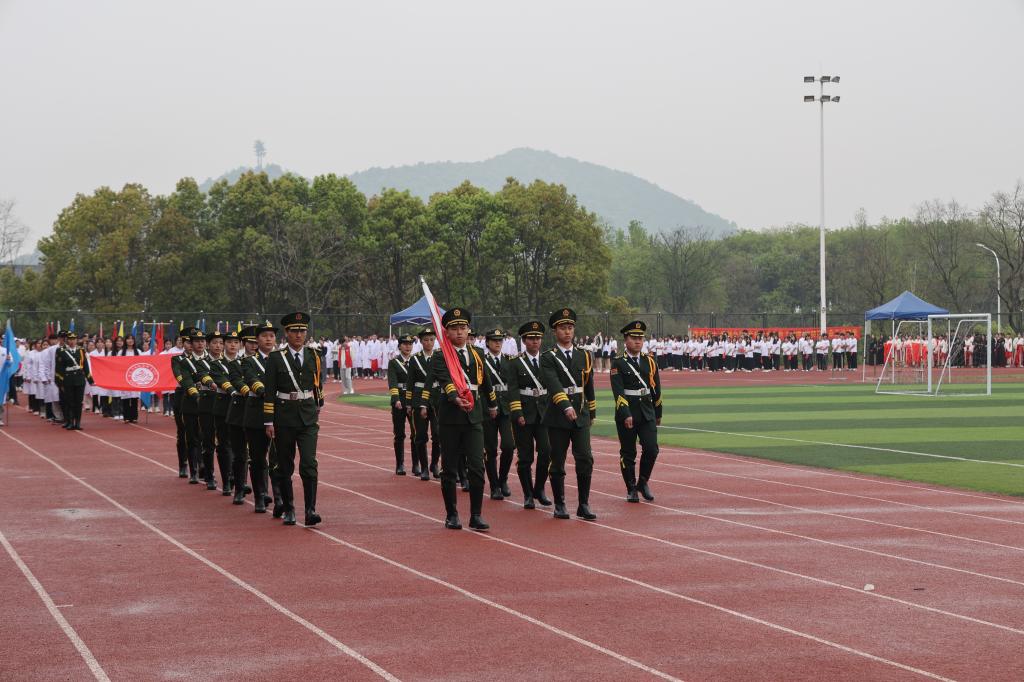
{"x":702,"y":98}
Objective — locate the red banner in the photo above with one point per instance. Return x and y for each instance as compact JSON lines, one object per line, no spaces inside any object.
{"x":783,"y":332}
{"x":151,"y":373}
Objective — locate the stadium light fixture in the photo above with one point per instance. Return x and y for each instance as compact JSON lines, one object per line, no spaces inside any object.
{"x":999,"y":297}
{"x":822,"y":99}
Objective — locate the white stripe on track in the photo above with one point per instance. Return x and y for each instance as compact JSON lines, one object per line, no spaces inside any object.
{"x":83,"y":650}
{"x":337,"y":644}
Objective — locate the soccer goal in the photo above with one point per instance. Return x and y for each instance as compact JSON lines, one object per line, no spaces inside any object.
{"x":943,"y":355}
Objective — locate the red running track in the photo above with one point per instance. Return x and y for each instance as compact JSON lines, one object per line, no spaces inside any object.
{"x":113,"y":568}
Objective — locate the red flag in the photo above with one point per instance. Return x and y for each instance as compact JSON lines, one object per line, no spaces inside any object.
{"x":158,"y":342}
{"x":150,"y":373}
{"x":450,"y":359}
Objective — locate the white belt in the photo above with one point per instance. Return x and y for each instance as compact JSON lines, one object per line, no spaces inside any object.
{"x":500,"y":389}
{"x":572,"y":390}
{"x":295,"y":395}
{"x":636,"y":391}
{"x":401,"y":386}
{"x":472,"y":387}
{"x":73,"y":368}
{"x":535,"y":392}
{"x":418,"y":384}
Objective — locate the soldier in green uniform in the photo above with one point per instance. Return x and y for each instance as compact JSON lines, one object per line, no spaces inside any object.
{"x":197,"y":406}
{"x":72,"y":371}
{"x":176,"y":400}
{"x":398,"y":380}
{"x":567,"y":373}
{"x":636,"y":387}
{"x":291,"y":409}
{"x":236,"y":407}
{"x":497,"y":469}
{"x":422,"y":396}
{"x":462,"y":436}
{"x":528,"y":401}
{"x":221,"y":402}
{"x":258,"y":442}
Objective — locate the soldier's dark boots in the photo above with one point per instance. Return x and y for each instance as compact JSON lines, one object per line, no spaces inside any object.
{"x":583,"y":512}
{"x":451,"y":510}
{"x":289,"y":517}
{"x":240,"y":497}
{"x":278,"y":501}
{"x":289,"y":502}
{"x":425,"y":474}
{"x":182,"y":471}
{"x":631,"y":496}
{"x":227,"y":489}
{"x":211,"y":484}
{"x":309,"y":497}
{"x":558,"y":490}
{"x":451,"y":522}
{"x":476,"y":522}
{"x":527,"y":484}
{"x":505,"y":490}
{"x":583,"y":487}
{"x":496,"y":493}
{"x":645,"y":490}
{"x":434,"y":470}
{"x":538,"y":494}
{"x":416,"y":469}
{"x":259,"y":503}
{"x":193,"y":478}
{"x":464,"y":483}
{"x":399,"y":469}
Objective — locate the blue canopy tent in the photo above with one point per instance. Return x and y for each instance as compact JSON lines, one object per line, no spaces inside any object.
{"x":417,"y":313}
{"x":906,"y":306}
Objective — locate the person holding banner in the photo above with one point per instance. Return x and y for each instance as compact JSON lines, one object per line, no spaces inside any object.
{"x":568,"y":375}
{"x":528,"y":402}
{"x":636,"y":387}
{"x":461,"y":415}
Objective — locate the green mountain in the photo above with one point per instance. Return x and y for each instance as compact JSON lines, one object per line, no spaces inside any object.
{"x":616,"y":196}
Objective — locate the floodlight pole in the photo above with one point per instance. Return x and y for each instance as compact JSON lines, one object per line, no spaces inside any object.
{"x":821,"y":99}
{"x":999,"y":297}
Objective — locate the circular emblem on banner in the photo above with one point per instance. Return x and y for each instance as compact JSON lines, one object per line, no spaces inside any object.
{"x":142,"y":375}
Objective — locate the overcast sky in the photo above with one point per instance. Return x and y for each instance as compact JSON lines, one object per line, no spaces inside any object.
{"x":702,"y":98}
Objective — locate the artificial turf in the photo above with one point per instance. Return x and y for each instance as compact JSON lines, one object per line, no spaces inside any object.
{"x":771,"y":422}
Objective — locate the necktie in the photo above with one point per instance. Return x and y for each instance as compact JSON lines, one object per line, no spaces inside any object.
{"x":298,"y":359}
{"x":465,"y":358}
{"x":568,"y":355}
{"x":534,"y":360}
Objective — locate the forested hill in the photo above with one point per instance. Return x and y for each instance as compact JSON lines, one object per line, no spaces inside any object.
{"x":616,"y":196}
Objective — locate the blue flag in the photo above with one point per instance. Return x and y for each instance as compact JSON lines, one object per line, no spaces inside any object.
{"x":11,"y":363}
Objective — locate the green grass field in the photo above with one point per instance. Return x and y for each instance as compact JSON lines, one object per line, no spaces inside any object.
{"x":816,"y":425}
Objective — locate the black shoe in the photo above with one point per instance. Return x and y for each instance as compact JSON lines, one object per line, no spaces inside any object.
{"x":278,"y":509}
{"x":261,"y":506}
{"x":542,"y":498}
{"x":631,"y":496}
{"x":477,"y":523}
{"x":312,"y":518}
{"x":434,"y":472}
{"x":211,"y":484}
{"x":425,"y":475}
{"x":65,"y":425}
{"x":193,"y":479}
{"x":183,"y":472}
{"x":528,"y":503}
{"x":289,"y":517}
{"x":399,"y":470}
{"x":226,"y":491}
{"x":464,"y":484}
{"x":240,"y":498}
{"x":452,"y":522}
{"x":645,"y":490}
{"x":416,"y":470}
{"x":560,"y":512}
{"x":495,"y":495}
{"x":505,"y":490}
{"x":267,"y":499}
{"x":583,"y":512}
{"x":248,"y":489}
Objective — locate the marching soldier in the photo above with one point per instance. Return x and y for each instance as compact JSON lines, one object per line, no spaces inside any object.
{"x":528,"y":400}
{"x":497,"y":470}
{"x":221,"y":402}
{"x":261,"y":340}
{"x":236,"y":407}
{"x":462,"y":438}
{"x":291,"y":408}
{"x":398,"y":381}
{"x":197,"y":406}
{"x":567,"y":373}
{"x":72,"y":371}
{"x":636,"y":387}
{"x":176,"y":404}
{"x":422,"y":396}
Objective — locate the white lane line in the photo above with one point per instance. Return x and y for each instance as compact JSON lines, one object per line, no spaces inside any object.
{"x":94,"y":667}
{"x":356,"y":411}
{"x":821,"y":581}
{"x":466,"y":593}
{"x":337,"y":644}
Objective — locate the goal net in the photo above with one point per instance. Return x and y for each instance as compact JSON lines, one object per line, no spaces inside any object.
{"x":943,"y":355}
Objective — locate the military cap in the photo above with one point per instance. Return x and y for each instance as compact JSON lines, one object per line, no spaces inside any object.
{"x":62,"y":334}
{"x":248,"y":333}
{"x":534,"y":328}
{"x":233,"y":334}
{"x":495,"y":335}
{"x":426,"y":331}
{"x":295,"y":321}
{"x":560,"y":316}
{"x":215,"y":335}
{"x":456,"y":316}
{"x":184,"y":333}
{"x":197,"y":335}
{"x":635,"y":328}
{"x":264,"y":327}
{"x":71,"y":335}
{"x":406,"y":338}
{"x":471,"y":333}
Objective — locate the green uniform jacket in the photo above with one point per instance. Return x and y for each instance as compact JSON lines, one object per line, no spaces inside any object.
{"x":558,"y":383}
{"x":428,"y":393}
{"x":398,"y":380}
{"x":239,"y":391}
{"x":495,"y":370}
{"x":292,"y":413}
{"x":71,"y":367}
{"x":643,"y":408}
{"x":194,"y":377}
{"x":448,"y":412}
{"x":529,"y":406}
{"x":222,"y":385}
{"x":254,"y":371}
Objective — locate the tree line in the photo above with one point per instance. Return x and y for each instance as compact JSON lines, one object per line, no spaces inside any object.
{"x":263,"y":246}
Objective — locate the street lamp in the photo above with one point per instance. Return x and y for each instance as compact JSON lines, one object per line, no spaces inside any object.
{"x":999,"y":281}
{"x":822,"y":99}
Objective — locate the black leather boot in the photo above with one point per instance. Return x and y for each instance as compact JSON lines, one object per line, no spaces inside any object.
{"x":278,"y":500}
{"x":629,"y":477}
{"x":451,"y":520}
{"x":583,"y":510}
{"x":193,"y":466}
{"x":527,"y":484}
{"x":289,"y":502}
{"x":309,"y":497}
{"x":645,"y":490}
{"x":558,"y":490}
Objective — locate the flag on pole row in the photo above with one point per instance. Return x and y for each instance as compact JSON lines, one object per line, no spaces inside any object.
{"x":450,"y":359}
{"x":12,"y":361}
